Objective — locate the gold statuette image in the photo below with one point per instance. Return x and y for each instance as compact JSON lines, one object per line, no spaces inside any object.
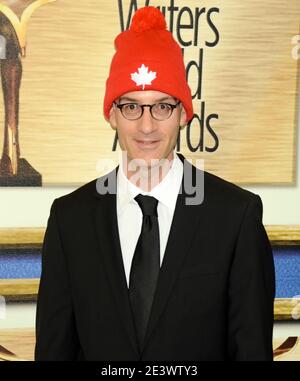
{"x":14,"y":19}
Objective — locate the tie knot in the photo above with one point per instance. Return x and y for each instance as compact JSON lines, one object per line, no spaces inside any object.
{"x":148,"y":205}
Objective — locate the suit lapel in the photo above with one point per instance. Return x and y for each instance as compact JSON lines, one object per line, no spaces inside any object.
{"x":106,"y":224}
{"x":184,"y":226}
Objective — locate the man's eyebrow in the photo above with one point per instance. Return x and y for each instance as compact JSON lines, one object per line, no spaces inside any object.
{"x":167,"y":98}
{"x":128,"y":99}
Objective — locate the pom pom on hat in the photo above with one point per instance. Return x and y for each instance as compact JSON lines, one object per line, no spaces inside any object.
{"x":148,"y":18}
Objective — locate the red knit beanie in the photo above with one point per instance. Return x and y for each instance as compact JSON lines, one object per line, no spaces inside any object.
{"x":147,"y":58}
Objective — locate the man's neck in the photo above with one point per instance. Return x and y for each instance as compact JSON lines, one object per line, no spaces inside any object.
{"x":143,"y":176}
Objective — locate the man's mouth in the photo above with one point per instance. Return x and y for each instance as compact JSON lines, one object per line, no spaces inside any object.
{"x":147,"y":143}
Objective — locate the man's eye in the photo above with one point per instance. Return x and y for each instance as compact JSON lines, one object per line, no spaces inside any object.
{"x":132,"y":106}
{"x":163,"y":106}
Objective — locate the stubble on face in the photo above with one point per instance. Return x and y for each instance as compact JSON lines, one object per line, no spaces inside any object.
{"x":147,"y":145}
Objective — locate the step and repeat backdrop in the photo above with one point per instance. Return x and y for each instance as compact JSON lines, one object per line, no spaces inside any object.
{"x":241,"y":64}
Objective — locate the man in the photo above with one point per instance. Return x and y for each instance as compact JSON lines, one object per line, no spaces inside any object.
{"x":139,"y":272}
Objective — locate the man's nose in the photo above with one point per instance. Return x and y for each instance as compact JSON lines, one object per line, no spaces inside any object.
{"x":146,"y":122}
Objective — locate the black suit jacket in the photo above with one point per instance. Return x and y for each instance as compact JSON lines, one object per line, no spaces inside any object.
{"x":214,"y":296}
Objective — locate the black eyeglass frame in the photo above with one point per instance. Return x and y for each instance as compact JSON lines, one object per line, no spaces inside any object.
{"x":120,"y":107}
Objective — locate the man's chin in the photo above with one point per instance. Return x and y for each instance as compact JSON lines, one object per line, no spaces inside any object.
{"x":154,"y":167}
{"x":148,"y":163}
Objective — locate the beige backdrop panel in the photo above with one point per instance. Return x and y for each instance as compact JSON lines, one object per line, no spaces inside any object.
{"x":249,"y":80}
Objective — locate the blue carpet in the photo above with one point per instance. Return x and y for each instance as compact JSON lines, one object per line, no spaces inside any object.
{"x":287,"y":269}
{"x":18,"y":264}
{"x":26,"y":263}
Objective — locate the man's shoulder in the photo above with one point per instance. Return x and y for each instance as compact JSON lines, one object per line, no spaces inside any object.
{"x":223,"y":193}
{"x":222,"y":187}
{"x":217,"y":189}
{"x":86,"y":193}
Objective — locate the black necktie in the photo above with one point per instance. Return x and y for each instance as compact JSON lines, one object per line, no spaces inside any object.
{"x":145,"y":266}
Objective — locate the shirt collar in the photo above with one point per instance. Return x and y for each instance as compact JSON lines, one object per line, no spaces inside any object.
{"x":165,"y":192}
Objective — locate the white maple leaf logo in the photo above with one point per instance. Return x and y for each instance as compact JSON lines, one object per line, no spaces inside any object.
{"x":143,"y":77}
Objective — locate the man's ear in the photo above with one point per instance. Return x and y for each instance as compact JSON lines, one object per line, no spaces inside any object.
{"x":112,"y":118}
{"x":183,"y":118}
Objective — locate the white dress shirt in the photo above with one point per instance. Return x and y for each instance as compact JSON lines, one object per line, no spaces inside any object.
{"x":130,"y":216}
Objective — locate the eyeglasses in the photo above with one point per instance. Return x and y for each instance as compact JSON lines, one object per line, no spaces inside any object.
{"x":158,"y":111}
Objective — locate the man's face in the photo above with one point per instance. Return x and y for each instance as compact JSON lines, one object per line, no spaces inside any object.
{"x":147,"y":138}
